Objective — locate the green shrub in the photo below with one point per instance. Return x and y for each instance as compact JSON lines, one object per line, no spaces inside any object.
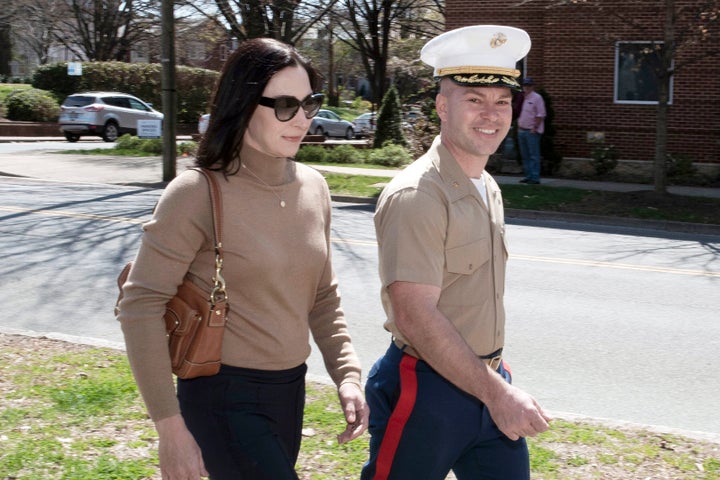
{"x":390,"y":155}
{"x":604,"y":159}
{"x":187,"y":148}
{"x":31,"y":105}
{"x":128,"y":142}
{"x":359,"y":103}
{"x":344,"y":154}
{"x":389,"y":121}
{"x":679,"y":166}
{"x":152,"y":145}
{"x":311,"y":154}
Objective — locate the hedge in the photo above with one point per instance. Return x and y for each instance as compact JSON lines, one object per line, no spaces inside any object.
{"x":194,"y":86}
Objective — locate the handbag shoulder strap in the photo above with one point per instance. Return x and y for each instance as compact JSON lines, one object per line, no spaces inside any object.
{"x":218,"y":293}
{"x":216,"y":207}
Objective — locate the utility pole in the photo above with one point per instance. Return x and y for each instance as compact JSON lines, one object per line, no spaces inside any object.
{"x":332,"y":88}
{"x":168,"y":90}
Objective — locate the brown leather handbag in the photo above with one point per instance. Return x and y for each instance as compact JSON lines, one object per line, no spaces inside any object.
{"x":195,"y":319}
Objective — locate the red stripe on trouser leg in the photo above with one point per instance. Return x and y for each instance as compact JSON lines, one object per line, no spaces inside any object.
{"x":506,"y":367}
{"x":398,"y":418}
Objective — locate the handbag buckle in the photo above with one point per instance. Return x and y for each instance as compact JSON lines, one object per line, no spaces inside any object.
{"x":218,"y":292}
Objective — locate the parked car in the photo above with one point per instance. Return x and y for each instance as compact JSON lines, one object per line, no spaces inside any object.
{"x":365,"y":124}
{"x":104,"y":114}
{"x":203,"y":123}
{"x":329,"y":124}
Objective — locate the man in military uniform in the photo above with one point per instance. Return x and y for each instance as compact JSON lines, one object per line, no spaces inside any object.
{"x":440,"y":398}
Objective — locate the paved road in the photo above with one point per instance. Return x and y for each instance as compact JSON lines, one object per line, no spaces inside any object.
{"x":604,"y":322}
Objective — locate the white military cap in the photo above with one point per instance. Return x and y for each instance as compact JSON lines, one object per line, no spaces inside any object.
{"x":479,"y":55}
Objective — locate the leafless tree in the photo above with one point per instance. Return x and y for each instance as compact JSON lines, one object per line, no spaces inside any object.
{"x":103,"y":30}
{"x":286,"y":20}
{"x":370,"y":26}
{"x":35,"y":24}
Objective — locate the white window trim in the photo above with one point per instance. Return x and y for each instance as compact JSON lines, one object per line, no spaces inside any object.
{"x":616,"y":72}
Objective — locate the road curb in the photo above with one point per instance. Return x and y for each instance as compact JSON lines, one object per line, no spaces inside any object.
{"x":579,"y":218}
{"x":663,"y":225}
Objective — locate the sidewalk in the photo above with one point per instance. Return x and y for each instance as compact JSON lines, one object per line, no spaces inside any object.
{"x":148,"y":170}
{"x":552,"y":182}
{"x":121,"y":170}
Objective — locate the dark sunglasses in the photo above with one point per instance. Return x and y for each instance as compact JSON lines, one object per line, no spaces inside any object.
{"x":286,"y":107}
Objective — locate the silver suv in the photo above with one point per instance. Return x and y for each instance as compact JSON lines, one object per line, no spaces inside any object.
{"x":105,"y":114}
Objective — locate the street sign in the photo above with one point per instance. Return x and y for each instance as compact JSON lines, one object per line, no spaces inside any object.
{"x":149,"y":128}
{"x":74,"y":68}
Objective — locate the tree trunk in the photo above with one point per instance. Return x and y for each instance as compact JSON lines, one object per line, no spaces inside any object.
{"x":5,"y":51}
{"x":333,"y":99}
{"x":664,"y":77}
{"x":660,"y":170}
{"x":169,"y":95}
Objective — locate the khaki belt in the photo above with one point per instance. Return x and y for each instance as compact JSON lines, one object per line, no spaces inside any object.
{"x":493,"y":360}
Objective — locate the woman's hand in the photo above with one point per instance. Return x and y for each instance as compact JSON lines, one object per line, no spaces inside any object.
{"x":180,"y":456}
{"x":356,"y":412}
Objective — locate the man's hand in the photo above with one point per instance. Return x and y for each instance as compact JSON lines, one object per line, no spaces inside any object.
{"x":180,"y":456}
{"x":516,"y":413}
{"x":356,"y":412}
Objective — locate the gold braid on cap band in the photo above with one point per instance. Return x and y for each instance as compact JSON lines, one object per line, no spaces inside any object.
{"x":510,"y":72}
{"x":476,"y":79}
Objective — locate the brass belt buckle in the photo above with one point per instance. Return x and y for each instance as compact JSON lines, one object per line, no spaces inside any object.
{"x":494,"y":362}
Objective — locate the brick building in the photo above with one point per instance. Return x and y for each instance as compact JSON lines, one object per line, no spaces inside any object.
{"x":585,"y":60}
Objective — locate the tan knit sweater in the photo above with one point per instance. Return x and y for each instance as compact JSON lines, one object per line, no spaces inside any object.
{"x":280,"y":281}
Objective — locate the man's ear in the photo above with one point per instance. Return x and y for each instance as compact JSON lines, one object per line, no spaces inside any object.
{"x":441,"y":102}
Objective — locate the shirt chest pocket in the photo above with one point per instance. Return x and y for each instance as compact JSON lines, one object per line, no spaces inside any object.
{"x":466,"y":259}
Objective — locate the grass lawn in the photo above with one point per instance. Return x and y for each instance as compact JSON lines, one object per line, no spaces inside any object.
{"x":72,"y":412}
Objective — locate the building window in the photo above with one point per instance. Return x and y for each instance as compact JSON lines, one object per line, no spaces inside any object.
{"x":635,"y":77}
{"x":195,"y":50}
{"x":139,"y":53}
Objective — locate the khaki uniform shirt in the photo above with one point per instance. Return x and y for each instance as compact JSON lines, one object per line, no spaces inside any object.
{"x":433,"y":228}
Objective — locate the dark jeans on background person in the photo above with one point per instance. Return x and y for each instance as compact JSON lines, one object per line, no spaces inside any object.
{"x":247,"y":422}
{"x":529,"y":144}
{"x":422,"y":426}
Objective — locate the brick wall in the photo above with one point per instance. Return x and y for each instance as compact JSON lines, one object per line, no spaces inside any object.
{"x":573,"y":59}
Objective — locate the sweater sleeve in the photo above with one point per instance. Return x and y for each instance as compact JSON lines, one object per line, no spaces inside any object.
{"x":178,"y":230}
{"x":327,"y":320}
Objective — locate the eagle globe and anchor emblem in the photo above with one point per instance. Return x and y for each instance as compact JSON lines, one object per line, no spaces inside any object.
{"x":498,"y":40}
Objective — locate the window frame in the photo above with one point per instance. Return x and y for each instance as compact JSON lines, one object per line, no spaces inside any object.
{"x":616,"y":75}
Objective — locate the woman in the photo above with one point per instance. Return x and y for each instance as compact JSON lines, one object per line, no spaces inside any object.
{"x":247,"y":419}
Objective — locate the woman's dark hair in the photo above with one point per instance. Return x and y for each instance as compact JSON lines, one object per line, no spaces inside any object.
{"x":237,"y":93}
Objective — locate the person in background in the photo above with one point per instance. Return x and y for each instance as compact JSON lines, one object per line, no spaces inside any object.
{"x":440,"y":397}
{"x":245,"y":422}
{"x":531,"y":125}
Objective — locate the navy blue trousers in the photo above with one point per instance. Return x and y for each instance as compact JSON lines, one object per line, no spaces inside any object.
{"x":422,"y":426}
{"x":248,"y":423}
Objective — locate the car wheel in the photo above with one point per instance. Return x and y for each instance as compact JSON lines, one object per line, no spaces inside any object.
{"x":349,"y":134}
{"x":72,"y":137}
{"x":319,"y":131}
{"x":110,"y":132}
